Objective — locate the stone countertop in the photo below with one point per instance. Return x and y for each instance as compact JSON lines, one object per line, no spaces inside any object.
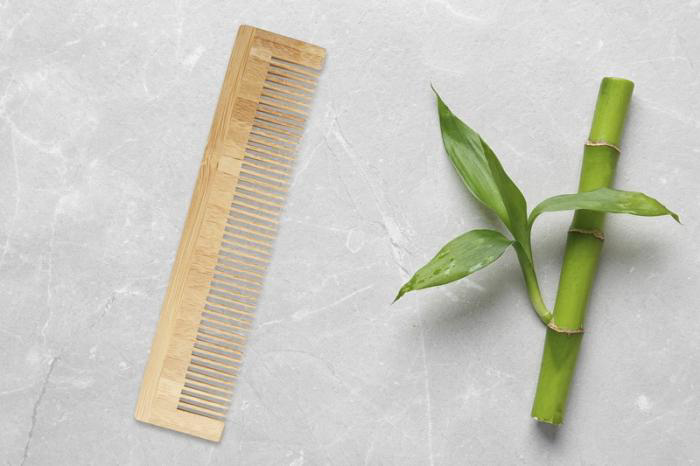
{"x":105,"y":108}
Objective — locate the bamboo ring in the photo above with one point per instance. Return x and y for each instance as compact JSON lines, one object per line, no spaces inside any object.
{"x":604,"y":144}
{"x":567,"y":331}
{"x":595,"y":232}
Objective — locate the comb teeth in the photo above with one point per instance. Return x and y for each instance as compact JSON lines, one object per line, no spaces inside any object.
{"x":246,"y":245}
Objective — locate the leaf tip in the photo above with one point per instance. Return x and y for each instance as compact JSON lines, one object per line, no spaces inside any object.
{"x":404,"y":289}
{"x":439,"y":99}
{"x":675,"y":217}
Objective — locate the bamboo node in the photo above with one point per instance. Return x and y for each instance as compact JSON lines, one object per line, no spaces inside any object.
{"x":604,"y":144}
{"x":595,"y":232}
{"x":568,"y":331}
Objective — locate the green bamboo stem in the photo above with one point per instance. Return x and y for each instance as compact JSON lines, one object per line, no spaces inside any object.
{"x":583,"y":246}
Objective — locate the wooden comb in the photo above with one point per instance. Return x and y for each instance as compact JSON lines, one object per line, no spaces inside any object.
{"x":226,"y":242}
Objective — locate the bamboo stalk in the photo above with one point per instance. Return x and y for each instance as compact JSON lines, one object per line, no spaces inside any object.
{"x":583,"y":246}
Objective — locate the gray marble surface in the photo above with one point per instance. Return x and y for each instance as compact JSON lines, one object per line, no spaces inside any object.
{"x":104,"y":111}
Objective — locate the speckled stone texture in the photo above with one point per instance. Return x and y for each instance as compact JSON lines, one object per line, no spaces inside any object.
{"x":104,"y":112}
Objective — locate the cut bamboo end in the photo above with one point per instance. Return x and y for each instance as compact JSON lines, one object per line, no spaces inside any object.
{"x":548,"y":421}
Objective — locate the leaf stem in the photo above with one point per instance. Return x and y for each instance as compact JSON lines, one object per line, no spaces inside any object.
{"x":533,"y":287}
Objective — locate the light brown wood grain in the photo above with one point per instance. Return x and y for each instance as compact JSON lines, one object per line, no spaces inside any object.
{"x":223,"y":251}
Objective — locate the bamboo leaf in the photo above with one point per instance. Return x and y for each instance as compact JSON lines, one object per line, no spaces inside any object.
{"x":465,"y":148}
{"x":483,"y":174}
{"x":515,"y":203}
{"x":460,"y":257}
{"x":604,"y":200}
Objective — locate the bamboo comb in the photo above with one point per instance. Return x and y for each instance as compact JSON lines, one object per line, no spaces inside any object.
{"x":227,"y":238}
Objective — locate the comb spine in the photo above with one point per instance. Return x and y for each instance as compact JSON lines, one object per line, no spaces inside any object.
{"x":193,"y":223}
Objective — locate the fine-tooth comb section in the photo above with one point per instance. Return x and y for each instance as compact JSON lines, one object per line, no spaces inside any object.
{"x":226,"y":244}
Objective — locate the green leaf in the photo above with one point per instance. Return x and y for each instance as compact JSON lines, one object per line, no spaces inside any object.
{"x":460,"y":257}
{"x":515,"y":203}
{"x":465,"y":148}
{"x":604,"y":200}
{"x":483,"y":174}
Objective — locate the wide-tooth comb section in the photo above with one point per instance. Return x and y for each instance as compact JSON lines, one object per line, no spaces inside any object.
{"x":295,"y":67}
{"x":209,"y":382}
{"x":223,"y":396}
{"x":212,"y":374}
{"x":200,"y":412}
{"x":206,"y":407}
{"x":204,"y":397}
